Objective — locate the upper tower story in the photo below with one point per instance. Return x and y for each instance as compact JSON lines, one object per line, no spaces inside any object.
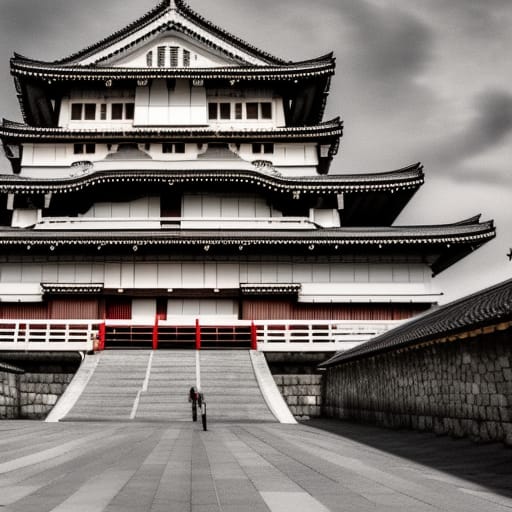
{"x":172,"y":77}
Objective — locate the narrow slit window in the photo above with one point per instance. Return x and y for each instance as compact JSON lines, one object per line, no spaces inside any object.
{"x":174,"y":56}
{"x":103,"y":111}
{"x":149,"y":59}
{"x":186,"y":59}
{"x":161,"y":56}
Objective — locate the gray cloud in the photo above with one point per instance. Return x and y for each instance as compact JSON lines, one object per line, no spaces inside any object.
{"x":491,"y":124}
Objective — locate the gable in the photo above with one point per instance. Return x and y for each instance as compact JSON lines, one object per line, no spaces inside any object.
{"x":208,"y":44}
{"x":171,"y":50}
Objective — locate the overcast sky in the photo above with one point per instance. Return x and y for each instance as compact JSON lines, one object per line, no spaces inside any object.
{"x":417,"y":80}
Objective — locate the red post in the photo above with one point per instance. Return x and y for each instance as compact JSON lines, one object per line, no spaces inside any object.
{"x":155,"y":334}
{"x":101,"y":336}
{"x":254,"y":336}
{"x":198,"y":335}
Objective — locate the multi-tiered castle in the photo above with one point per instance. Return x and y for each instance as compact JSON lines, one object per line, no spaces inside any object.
{"x":173,"y":170}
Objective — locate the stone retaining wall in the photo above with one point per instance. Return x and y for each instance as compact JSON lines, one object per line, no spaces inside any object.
{"x":461,"y":388}
{"x":9,"y":395}
{"x":302,"y":393}
{"x":30,"y":389}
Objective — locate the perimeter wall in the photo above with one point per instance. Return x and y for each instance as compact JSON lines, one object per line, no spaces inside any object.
{"x":460,"y":388}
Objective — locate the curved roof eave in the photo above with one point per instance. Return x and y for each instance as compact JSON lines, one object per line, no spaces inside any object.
{"x":12,"y":130}
{"x":410,"y":177}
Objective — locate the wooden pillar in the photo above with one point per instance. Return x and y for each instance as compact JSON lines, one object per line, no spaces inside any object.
{"x":198,"y":335}
{"x":155,"y":333}
{"x":102,"y":330}
{"x":254,"y":336}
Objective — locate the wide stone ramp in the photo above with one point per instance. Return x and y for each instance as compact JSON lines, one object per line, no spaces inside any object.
{"x":113,"y":387}
{"x":173,"y":373}
{"x":230,"y":387}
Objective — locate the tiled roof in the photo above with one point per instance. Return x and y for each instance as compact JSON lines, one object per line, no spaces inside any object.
{"x":159,"y":11}
{"x":14,"y":131}
{"x":324,"y":66}
{"x":484,"y":308}
{"x":410,"y":177}
{"x":466,"y":232}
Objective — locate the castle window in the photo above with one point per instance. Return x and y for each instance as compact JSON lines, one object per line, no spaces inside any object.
{"x":186,"y":58}
{"x":174,"y":56}
{"x":263,"y":148}
{"x":238,"y":111}
{"x":266,"y":110}
{"x":80,"y":149}
{"x":173,"y":147}
{"x":103,"y":111}
{"x":76,"y":111}
{"x":129,"y":110}
{"x":149,"y":59}
{"x":117,"y":111}
{"x":212,"y":111}
{"x":161,"y":56}
{"x":252,"y":110}
{"x":225,"y":110}
{"x":90,"y":111}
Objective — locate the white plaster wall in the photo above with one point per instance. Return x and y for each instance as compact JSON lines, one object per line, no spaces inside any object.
{"x":319,"y":280}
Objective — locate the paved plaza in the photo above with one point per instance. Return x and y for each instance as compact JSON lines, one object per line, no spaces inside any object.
{"x":314,"y":467}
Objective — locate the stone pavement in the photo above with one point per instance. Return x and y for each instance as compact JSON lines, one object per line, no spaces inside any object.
{"x":321,"y":466}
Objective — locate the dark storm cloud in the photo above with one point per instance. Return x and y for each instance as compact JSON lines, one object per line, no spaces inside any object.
{"x":491,"y":124}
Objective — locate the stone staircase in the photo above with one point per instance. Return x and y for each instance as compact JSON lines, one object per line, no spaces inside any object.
{"x":145,"y":385}
{"x":173,"y":373}
{"x":230,"y":387}
{"x":113,"y":387}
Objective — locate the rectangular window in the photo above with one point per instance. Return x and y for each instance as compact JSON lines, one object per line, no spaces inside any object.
{"x":186,"y":58}
{"x":179,"y":147}
{"x":76,"y":111}
{"x":90,"y":111}
{"x":166,"y":147}
{"x":225,"y":110}
{"x":176,"y":147}
{"x":174,"y":56}
{"x":238,"y":111}
{"x":129,"y":110}
{"x":90,"y":148}
{"x":212,"y":111}
{"x":161,"y":56}
{"x":78,"y":149}
{"x":266,"y":110}
{"x":117,"y":111}
{"x":149,"y":59}
{"x":103,"y":111}
{"x":252,"y":110}
{"x":268,"y":148}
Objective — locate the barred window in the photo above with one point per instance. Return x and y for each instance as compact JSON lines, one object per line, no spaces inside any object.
{"x":149,"y":59}
{"x":76,"y":111}
{"x":161,"y":56}
{"x":186,"y":58}
{"x":174,"y":56}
